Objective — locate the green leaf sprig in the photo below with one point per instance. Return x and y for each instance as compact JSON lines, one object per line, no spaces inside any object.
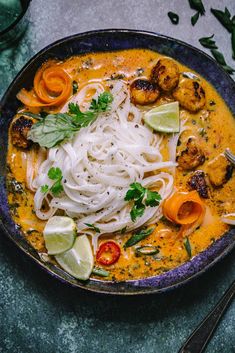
{"x":55,"y":128}
{"x":208,"y":42}
{"x":173,"y":17}
{"x":142,"y":197}
{"x":137,"y":237}
{"x":56,"y":188}
{"x":199,"y":7}
{"x":224,"y":17}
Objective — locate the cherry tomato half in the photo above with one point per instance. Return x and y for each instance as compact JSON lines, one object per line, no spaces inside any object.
{"x":108,"y":253}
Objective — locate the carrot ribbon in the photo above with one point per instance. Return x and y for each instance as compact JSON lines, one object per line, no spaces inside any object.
{"x":186,"y":209}
{"x":52,"y":86}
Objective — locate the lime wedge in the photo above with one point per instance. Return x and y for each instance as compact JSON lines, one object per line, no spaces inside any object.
{"x":59,"y":234}
{"x":78,"y":261}
{"x":165,"y":118}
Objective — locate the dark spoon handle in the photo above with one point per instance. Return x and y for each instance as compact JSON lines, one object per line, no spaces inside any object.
{"x":201,"y":336}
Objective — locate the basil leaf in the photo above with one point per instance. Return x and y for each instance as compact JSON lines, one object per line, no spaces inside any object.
{"x":93,"y":227}
{"x":197,"y":5}
{"x":208,"y":42}
{"x":98,"y":271}
{"x":187,"y":246}
{"x":223,"y":18}
{"x":194,"y":18}
{"x":135,"y":238}
{"x":221,"y":60}
{"x":173,"y":17}
{"x":55,"y":128}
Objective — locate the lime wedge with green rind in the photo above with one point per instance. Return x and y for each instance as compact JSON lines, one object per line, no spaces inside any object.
{"x":78,"y":261}
{"x":59,"y":234}
{"x":164,"y":118}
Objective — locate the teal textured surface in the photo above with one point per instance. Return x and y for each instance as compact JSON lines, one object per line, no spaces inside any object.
{"x":41,"y":315}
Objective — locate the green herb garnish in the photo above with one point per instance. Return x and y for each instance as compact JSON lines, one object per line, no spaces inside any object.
{"x":98,"y":271}
{"x":55,"y":128}
{"x":123,"y":230}
{"x":221,"y":60}
{"x":224,"y":18}
{"x":135,"y":238}
{"x":173,"y":17}
{"x":233,"y":41}
{"x":208,"y":42}
{"x":93,"y":227}
{"x":146,"y":250}
{"x":142,"y":197}
{"x":187,"y":246}
{"x":56,"y":188}
{"x":197,"y":5}
{"x":195,"y":18}
{"x":102,"y":103}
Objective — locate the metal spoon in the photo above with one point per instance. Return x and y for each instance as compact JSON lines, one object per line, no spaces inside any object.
{"x":197,"y":342}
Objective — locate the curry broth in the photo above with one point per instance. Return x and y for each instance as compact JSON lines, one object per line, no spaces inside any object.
{"x":214,"y":127}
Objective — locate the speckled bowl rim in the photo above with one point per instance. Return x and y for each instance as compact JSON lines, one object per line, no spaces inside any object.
{"x":155,"y":284}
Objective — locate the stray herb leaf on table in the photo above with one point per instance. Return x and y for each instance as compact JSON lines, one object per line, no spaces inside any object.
{"x":221,"y":60}
{"x":208,"y":42}
{"x":197,"y":5}
{"x":173,"y":17}
{"x":194,"y":18}
{"x":224,"y":18}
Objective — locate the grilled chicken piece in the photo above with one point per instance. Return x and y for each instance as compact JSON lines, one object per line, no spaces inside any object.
{"x":144,"y":92}
{"x":192,"y":156}
{"x":166,"y":74}
{"x":219,"y":170}
{"x":190,"y":95}
{"x":19,"y":131}
{"x":198,"y":182}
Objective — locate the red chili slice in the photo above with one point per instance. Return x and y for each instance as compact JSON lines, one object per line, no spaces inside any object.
{"x":108,"y":253}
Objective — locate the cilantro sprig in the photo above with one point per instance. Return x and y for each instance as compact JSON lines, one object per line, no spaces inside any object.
{"x":55,"y":128}
{"x":142,"y":197}
{"x":56,"y":188}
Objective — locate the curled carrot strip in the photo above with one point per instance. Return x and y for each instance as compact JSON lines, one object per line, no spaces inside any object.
{"x":52,"y":87}
{"x":185,"y":208}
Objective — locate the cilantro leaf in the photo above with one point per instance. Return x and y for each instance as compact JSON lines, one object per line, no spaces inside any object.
{"x":44,"y":189}
{"x":54,"y":173}
{"x":56,"y":188}
{"x":140,"y":235}
{"x":137,"y":211}
{"x":137,"y":194}
{"x":102,"y":103}
{"x":152,"y":199}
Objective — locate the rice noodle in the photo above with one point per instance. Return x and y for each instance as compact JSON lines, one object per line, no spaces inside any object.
{"x":101,"y":162}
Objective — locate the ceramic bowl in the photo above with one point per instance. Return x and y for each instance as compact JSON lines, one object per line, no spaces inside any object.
{"x":105,"y":41}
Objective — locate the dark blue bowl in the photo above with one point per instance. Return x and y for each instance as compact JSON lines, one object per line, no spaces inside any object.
{"x":101,"y":41}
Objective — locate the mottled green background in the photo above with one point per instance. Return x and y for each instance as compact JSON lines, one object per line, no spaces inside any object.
{"x":41,"y":315}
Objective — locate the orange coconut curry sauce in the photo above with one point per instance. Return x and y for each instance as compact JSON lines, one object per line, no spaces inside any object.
{"x":213,"y":127}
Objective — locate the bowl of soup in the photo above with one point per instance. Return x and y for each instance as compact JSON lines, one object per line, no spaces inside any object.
{"x":114,"y":176}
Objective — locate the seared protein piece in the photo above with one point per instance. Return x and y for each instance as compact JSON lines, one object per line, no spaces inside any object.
{"x":19,"y":132}
{"x":166,"y":74}
{"x":190,"y":95}
{"x":198,"y":182}
{"x":144,"y":92}
{"x":191,"y":157}
{"x":219,"y":170}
